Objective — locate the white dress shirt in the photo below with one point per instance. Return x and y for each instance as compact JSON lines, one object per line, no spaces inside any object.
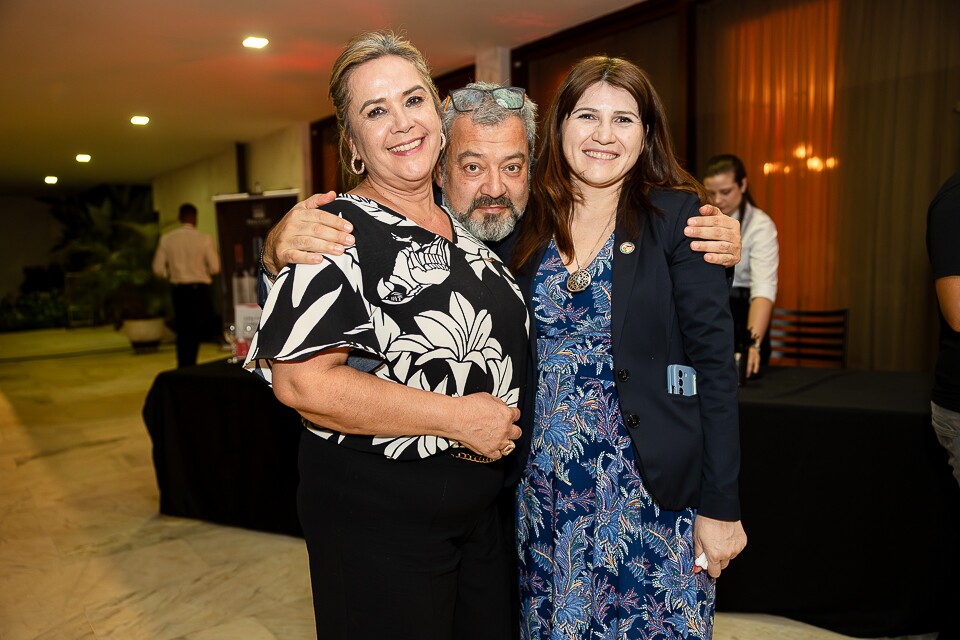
{"x":186,"y":255}
{"x":758,"y":265}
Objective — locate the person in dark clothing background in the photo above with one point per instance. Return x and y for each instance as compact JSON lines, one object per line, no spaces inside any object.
{"x":943,"y":240}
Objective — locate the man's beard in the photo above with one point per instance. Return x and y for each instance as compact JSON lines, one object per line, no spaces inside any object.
{"x":490,"y":227}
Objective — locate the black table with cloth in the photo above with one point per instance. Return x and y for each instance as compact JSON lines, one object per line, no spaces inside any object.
{"x":224,"y":448}
{"x":849,"y":505}
{"x":852,"y":514}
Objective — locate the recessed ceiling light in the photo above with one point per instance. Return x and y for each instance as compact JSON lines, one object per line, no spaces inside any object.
{"x":255,"y":42}
{"x":83,"y":157}
{"x":50,"y":179}
{"x":139,"y":120}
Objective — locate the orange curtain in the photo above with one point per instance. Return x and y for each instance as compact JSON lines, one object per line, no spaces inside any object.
{"x":766,"y":89}
{"x":898,"y":133}
{"x":845,"y":112}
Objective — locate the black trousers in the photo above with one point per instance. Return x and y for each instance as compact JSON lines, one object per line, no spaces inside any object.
{"x":406,"y":550}
{"x":193,"y":315}
{"x":507,"y":505}
{"x":740,"y":310}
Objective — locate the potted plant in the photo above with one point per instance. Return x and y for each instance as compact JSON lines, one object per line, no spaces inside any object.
{"x":109,"y":237}
{"x":139,"y":303}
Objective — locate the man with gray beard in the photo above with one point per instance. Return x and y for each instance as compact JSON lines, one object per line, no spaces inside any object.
{"x":484,"y":173}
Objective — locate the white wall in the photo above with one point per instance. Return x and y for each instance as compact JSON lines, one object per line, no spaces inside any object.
{"x":280,"y":160}
{"x":196,"y":183}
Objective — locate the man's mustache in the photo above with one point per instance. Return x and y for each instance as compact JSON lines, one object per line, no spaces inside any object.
{"x":487,"y":201}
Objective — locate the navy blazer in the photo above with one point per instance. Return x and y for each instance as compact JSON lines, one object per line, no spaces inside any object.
{"x":669,"y":306}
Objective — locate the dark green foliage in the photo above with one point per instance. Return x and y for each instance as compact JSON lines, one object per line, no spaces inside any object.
{"x":110,"y":234}
{"x":40,"y":304}
{"x":33,"y":310}
{"x":104,"y":254}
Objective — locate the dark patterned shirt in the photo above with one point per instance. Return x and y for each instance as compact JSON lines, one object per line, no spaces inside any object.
{"x":443,"y":316}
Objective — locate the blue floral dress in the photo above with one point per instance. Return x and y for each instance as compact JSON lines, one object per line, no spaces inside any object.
{"x":599,"y":559}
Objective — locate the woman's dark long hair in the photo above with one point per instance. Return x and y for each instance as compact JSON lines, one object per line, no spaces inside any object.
{"x":553,"y":190}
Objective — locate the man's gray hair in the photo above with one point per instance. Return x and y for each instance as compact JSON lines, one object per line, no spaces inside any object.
{"x":489,"y":112}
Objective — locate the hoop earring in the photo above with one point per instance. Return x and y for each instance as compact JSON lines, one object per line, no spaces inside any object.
{"x":353,"y":165}
{"x":443,"y":141}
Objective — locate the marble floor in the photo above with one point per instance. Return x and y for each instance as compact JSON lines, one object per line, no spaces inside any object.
{"x":84,"y":554}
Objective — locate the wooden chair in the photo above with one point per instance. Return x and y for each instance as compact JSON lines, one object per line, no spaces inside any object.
{"x":810,"y":335}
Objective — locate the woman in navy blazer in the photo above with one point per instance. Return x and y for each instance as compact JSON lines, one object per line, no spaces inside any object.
{"x":631,"y":481}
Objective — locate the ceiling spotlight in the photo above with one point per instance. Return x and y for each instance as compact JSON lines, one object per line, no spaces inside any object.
{"x":50,"y":179}
{"x":139,"y":120}
{"x":83,"y":157}
{"x":255,"y":42}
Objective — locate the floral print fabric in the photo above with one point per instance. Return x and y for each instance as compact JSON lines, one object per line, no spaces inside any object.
{"x":442,"y":316}
{"x":599,"y":559}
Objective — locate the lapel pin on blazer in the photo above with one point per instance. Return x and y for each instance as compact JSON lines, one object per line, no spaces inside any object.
{"x":627,"y":247}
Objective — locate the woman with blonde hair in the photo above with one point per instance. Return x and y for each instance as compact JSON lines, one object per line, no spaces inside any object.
{"x":399,"y":470}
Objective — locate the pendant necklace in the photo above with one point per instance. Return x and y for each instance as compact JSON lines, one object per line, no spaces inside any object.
{"x":580,"y":279}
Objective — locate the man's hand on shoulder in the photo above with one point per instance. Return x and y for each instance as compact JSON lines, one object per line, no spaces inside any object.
{"x":305,"y":233}
{"x":717,"y":236}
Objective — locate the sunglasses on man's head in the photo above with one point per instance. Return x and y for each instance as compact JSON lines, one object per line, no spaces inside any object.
{"x":464,"y":100}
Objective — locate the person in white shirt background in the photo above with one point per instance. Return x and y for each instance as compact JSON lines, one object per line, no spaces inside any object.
{"x":755,"y":277}
{"x":187,"y":258}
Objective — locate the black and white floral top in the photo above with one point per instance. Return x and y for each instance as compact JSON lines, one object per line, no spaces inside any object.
{"x":443,"y":316}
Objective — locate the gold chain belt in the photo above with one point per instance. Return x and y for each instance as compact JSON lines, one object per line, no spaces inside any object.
{"x":472,"y":457}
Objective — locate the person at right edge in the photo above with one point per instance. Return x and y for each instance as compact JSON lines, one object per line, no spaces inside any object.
{"x":755,"y":277}
{"x":943,"y":247}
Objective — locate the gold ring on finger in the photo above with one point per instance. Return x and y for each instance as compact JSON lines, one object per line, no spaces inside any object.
{"x":507,"y":450}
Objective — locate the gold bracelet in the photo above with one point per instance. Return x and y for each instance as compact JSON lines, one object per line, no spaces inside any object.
{"x":463,"y":455}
